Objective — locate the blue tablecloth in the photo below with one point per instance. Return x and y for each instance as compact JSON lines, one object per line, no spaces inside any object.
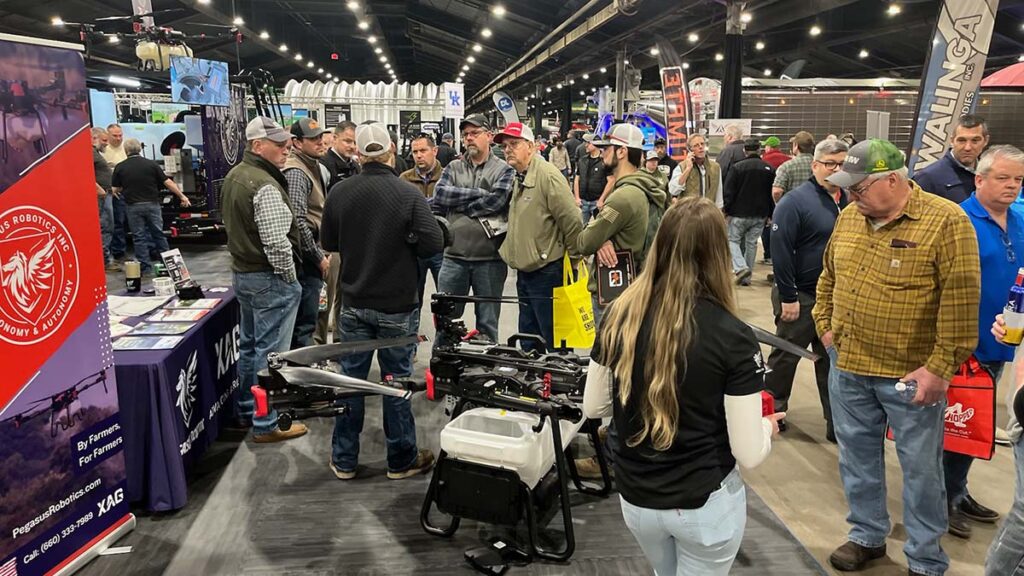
{"x":172,"y":403}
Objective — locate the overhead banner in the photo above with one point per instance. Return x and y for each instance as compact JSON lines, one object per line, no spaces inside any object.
{"x":454,"y":102}
{"x":62,"y":477}
{"x":952,"y":75}
{"x":504,"y":103}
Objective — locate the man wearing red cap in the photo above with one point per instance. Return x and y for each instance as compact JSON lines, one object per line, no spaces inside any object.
{"x":543,"y":222}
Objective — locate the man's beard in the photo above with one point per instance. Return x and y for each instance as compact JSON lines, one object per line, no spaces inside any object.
{"x":611,"y":166}
{"x":473,"y":150}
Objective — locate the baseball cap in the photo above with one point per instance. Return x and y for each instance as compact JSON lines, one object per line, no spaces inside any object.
{"x":478,"y":120}
{"x":651,"y":155}
{"x":751,"y":144}
{"x":772,"y":141}
{"x":625,"y":135}
{"x":262,"y":127}
{"x":373,"y":140}
{"x":513,"y":130}
{"x":447,"y":136}
{"x":306,"y":128}
{"x":588,"y":137}
{"x":660,"y":142}
{"x":867,"y":158}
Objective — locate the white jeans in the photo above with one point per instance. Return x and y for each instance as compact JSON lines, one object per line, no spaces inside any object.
{"x":698,"y":542}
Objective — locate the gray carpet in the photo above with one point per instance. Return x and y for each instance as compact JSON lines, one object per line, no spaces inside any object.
{"x":277,"y":509}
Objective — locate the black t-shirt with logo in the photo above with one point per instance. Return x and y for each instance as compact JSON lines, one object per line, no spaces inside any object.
{"x":140,"y":179}
{"x":593,"y":177}
{"x":724,"y":358}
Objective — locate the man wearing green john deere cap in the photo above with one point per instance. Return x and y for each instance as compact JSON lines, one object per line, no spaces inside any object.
{"x":897,"y":301}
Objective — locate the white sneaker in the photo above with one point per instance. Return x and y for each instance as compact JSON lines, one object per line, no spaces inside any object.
{"x":1002,"y":438}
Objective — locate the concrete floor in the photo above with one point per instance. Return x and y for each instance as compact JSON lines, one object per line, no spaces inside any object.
{"x":800,"y":480}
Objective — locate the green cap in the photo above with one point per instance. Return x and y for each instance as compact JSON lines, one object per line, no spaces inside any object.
{"x":867,"y":158}
{"x":772,"y":141}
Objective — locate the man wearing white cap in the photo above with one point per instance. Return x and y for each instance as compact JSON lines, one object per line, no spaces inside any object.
{"x":543,"y":222}
{"x":263,"y":240}
{"x":380,"y":225}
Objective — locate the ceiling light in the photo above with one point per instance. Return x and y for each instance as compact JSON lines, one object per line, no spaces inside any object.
{"x":238,"y":21}
{"x":686,"y":65}
{"x":387,"y":66}
{"x":122,"y":81}
{"x":759,"y":45}
{"x":283,"y":47}
{"x":582,"y":93}
{"x":498,"y":10}
{"x":462,"y":74}
{"x":586,"y":76}
{"x":486,"y":32}
{"x":329,"y":75}
{"x":477,"y":47}
{"x":559,"y":86}
{"x":378,"y":50}
{"x":604,"y":70}
{"x":471,"y":59}
{"x":654,"y":52}
{"x":383,"y":59}
{"x":626,"y":62}
{"x":863,"y":54}
{"x":309,"y":64}
{"x":719,"y":57}
{"x":746,"y":17}
{"x":465,"y":68}
{"x":371,"y":39}
{"x":56,"y":21}
{"x":767,"y":71}
{"x":592,"y":89}
{"x":319,"y":70}
{"x":265,"y":35}
{"x":548,"y":89}
{"x":203,"y":1}
{"x":298,"y":56}
{"x":364,"y":25}
{"x":894,"y":9}
{"x":353,"y":5}
{"x":115,"y":40}
{"x":693,"y":37}
{"x":815,"y":30}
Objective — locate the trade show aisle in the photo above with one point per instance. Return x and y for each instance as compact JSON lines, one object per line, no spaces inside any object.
{"x":277,"y":509}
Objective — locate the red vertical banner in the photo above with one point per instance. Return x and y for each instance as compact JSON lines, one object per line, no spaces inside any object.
{"x":673,"y":88}
{"x":61,"y":463}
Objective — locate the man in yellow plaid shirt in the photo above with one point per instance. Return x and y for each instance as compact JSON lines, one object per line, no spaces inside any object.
{"x":898,"y":300}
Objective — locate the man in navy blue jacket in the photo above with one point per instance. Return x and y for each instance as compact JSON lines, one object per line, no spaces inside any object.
{"x":801,"y":228}
{"x":952,"y":176}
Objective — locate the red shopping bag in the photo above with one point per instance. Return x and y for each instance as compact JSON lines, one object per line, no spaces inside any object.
{"x":970,"y":426}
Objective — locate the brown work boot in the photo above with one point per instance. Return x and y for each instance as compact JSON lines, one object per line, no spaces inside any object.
{"x":589,"y":468}
{"x":424,"y":461}
{"x":851,"y":556}
{"x":279,"y":435}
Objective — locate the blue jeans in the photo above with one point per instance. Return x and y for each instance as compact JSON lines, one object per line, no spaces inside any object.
{"x":955,"y":466}
{"x":701,"y":541}
{"x":356,"y":324}
{"x":588,"y":209}
{"x":309,"y":309}
{"x":267,"y":306}
{"x":1006,"y":555}
{"x":147,"y":224}
{"x":743,"y":235}
{"x":486,"y":278}
{"x":536,"y":307}
{"x":119,"y":240}
{"x":433,"y":266}
{"x":106,"y":208}
{"x":862,"y":406}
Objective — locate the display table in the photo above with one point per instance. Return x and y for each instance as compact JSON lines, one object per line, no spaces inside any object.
{"x":173,"y":402}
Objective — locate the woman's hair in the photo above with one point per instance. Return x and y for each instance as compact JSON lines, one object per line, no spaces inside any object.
{"x":689,"y":259}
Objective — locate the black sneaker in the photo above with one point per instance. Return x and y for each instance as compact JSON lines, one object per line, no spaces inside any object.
{"x":851,"y":556}
{"x":782,"y":426}
{"x":971,"y":509}
{"x":958,"y":525}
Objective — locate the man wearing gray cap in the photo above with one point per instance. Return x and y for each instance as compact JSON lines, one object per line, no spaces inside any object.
{"x":897,"y":310}
{"x":446,"y":149}
{"x":263,"y":240}
{"x":306,"y":188}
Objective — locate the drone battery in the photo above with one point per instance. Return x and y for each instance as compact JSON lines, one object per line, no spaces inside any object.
{"x":479,"y":492}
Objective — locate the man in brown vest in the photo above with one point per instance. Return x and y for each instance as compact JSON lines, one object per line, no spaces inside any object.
{"x":698,"y":175}
{"x":307,"y":191}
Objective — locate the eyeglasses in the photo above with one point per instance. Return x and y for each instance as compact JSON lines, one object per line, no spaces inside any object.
{"x":862,"y":190}
{"x":830,"y":164}
{"x":512,"y":143}
{"x":1011,"y":257}
{"x":472,"y":133}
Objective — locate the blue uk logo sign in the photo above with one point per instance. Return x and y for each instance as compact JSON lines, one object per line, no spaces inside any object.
{"x":455,"y":98}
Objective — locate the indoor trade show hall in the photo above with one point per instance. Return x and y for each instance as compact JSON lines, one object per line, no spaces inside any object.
{"x":594,"y":287}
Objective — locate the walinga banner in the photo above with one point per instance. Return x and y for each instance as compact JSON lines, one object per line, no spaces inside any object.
{"x":676,"y":94}
{"x":62,"y":471}
{"x":949,"y":86}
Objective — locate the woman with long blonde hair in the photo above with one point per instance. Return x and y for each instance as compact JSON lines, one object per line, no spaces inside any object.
{"x":681,"y":376}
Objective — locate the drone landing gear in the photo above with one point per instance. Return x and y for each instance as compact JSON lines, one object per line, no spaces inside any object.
{"x":494,"y":495}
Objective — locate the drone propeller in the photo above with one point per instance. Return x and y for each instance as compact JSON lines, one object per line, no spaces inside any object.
{"x":315,"y":377}
{"x":313,"y":354}
{"x":765,"y":337}
{"x":224,"y":26}
{"x":139,"y":17}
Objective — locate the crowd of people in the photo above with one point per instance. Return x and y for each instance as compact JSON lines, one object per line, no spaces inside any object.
{"x":887,"y":278}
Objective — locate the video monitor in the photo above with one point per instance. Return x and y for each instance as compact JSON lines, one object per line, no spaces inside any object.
{"x":199,"y":81}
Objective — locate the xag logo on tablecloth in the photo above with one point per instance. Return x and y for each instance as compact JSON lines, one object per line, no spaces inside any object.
{"x":186,"y":389}
{"x":38,"y":274}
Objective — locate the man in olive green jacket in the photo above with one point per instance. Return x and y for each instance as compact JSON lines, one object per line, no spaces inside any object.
{"x":622,"y":222}
{"x":543,"y":223}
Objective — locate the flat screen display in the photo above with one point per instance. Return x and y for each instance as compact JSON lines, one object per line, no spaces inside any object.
{"x":199,"y":81}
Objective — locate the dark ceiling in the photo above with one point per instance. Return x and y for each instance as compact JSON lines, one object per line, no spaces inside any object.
{"x":430,"y":40}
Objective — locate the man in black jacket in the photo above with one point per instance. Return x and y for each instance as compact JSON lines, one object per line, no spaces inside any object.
{"x":381,"y":225}
{"x":340,"y":160}
{"x":801,"y":228}
{"x":747,"y":202}
{"x":445,"y":150}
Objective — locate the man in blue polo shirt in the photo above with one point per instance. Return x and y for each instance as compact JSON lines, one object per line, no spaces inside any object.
{"x":999,"y":225}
